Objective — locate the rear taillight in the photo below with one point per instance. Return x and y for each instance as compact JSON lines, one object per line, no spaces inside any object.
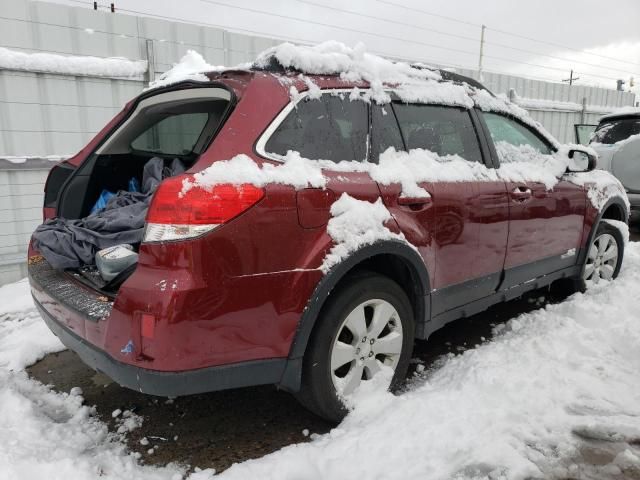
{"x":176,"y":215}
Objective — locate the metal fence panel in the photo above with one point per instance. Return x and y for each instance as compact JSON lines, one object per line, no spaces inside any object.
{"x":43,"y":114}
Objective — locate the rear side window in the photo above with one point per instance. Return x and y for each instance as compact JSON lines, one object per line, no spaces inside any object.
{"x":613,"y":131}
{"x":442,"y":130}
{"x":175,"y":135}
{"x":505,"y":130}
{"x":329,"y":128}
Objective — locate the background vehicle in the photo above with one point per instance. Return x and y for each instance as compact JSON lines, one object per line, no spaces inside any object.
{"x":617,"y":142}
{"x":228,"y":290}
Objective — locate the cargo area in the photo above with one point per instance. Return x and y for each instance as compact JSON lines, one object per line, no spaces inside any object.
{"x":101,"y":206}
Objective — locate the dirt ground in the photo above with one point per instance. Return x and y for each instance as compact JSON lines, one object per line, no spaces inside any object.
{"x":218,"y":429}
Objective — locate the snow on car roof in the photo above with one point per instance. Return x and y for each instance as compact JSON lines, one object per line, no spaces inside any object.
{"x":622,"y":112}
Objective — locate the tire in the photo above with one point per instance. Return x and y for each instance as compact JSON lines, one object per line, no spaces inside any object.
{"x":598,"y":264}
{"x":339,"y":336}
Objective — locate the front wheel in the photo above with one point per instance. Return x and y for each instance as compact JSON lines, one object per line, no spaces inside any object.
{"x":604,"y":257}
{"x":365,"y":331}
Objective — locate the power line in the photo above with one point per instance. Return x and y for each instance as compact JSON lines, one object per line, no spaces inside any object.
{"x":388,"y":20}
{"x":462,"y":37}
{"x":313,"y":22}
{"x":93,"y":30}
{"x":310,"y":42}
{"x":328,"y":25}
{"x":504,"y":32}
{"x":564,"y":46}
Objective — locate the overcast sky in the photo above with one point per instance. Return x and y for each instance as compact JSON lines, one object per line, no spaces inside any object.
{"x":571,"y":29}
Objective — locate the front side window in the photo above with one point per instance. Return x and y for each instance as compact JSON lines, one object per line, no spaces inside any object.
{"x":613,"y":131}
{"x":441,"y":130}
{"x":514,"y":141}
{"x":330,"y":128}
{"x":174,"y":135}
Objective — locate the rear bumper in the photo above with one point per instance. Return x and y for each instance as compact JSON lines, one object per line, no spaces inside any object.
{"x":170,"y":384}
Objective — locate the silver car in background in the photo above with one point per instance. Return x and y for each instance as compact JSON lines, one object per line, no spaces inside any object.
{"x":617,"y":143}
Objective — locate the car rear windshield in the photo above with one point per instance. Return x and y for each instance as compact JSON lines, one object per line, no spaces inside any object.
{"x":614,"y":131}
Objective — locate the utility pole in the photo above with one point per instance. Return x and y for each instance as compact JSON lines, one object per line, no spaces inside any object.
{"x":571,"y":78}
{"x":481,"y":53}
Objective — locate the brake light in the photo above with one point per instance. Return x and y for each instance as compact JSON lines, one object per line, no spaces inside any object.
{"x":174,"y":215}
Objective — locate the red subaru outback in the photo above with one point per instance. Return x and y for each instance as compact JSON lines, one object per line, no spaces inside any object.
{"x":316,"y":270}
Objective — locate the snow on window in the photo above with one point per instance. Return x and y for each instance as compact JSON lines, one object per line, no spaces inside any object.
{"x":71,"y":64}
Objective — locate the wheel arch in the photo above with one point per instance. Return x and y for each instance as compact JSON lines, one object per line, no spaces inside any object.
{"x":392,"y":258}
{"x":614,"y":209}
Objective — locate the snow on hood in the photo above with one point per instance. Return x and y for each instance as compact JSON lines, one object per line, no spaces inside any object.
{"x":192,"y":66}
{"x":71,"y":64}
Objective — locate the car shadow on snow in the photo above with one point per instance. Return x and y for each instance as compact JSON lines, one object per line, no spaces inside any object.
{"x":218,"y":429}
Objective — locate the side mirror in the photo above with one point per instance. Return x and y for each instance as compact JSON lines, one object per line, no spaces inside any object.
{"x":581,"y":161}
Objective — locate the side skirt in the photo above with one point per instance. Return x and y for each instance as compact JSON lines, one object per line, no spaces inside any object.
{"x":440,"y":320}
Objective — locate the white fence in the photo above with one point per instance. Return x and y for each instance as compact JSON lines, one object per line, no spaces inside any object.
{"x":43,"y":114}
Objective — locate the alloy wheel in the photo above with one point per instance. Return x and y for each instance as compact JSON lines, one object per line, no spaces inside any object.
{"x":602,"y":259}
{"x":369,"y":338}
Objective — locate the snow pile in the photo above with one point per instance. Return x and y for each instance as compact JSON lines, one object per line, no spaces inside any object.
{"x":44,"y":434}
{"x":525,"y":164}
{"x":521,"y":406}
{"x":71,"y":65}
{"x":296,"y":171}
{"x":557,"y":105}
{"x":23,"y":159}
{"x":418,"y":165}
{"x":627,"y":110}
{"x":356,"y":65}
{"x":520,"y":164}
{"x":192,"y":66}
{"x":623,"y":227}
{"x":24,"y":337}
{"x":355,"y":223}
{"x":601,"y":187}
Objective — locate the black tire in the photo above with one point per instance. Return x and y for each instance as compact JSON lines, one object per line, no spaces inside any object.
{"x":602,"y":229}
{"x":317,"y":392}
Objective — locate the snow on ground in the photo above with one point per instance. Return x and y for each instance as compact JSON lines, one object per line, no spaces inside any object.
{"x":71,"y":64}
{"x":520,"y":406}
{"x":24,"y":337}
{"x":50,"y":435}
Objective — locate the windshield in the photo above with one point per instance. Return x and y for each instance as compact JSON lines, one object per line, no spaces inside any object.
{"x":614,"y":131}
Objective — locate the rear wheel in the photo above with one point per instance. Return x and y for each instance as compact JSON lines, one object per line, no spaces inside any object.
{"x":366,"y":328}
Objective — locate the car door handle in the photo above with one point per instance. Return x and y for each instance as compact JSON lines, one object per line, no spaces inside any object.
{"x":521,"y":194}
{"x":415,"y":203}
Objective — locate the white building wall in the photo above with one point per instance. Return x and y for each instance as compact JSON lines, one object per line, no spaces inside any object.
{"x":48,"y":114}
